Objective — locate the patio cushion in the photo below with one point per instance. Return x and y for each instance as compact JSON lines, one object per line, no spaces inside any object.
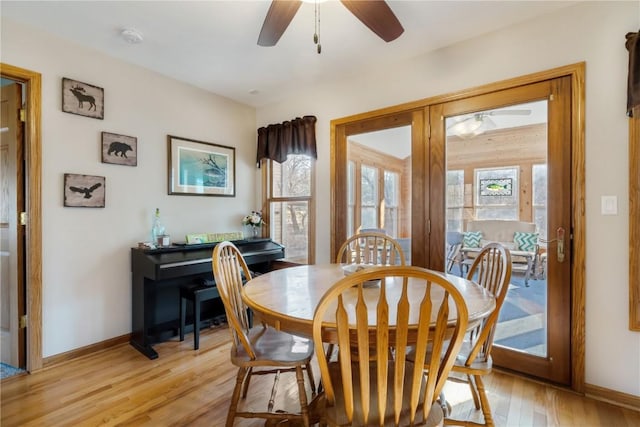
{"x":472,"y":239}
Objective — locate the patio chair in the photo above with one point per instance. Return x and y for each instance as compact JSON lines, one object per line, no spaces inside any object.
{"x":454,"y":244}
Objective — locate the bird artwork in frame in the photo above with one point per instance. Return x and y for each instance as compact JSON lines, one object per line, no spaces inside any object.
{"x":85,"y":191}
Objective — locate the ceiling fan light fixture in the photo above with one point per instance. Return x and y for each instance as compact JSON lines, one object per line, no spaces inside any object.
{"x":467,"y":127}
{"x":131,"y":36}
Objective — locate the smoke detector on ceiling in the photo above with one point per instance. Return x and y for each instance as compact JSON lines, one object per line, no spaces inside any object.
{"x":131,"y":36}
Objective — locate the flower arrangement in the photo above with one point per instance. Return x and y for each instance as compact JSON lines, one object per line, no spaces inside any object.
{"x":254,"y":219}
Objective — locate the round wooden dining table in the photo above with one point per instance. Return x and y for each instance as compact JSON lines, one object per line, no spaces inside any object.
{"x":287,"y":298}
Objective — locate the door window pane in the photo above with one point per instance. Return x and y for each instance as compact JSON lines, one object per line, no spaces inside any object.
{"x":455,"y":199}
{"x":539,"y":173}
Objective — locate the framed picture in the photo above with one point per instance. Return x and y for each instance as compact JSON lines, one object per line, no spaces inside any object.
{"x":496,"y":187}
{"x":82,"y":98}
{"x":119,"y":149}
{"x":201,"y":168}
{"x":85,"y":191}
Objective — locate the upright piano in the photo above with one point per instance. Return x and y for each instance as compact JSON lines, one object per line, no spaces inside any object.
{"x":157,"y":275}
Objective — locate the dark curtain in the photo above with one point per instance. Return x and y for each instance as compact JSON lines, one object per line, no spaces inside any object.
{"x":633,"y":84}
{"x":297,"y":136}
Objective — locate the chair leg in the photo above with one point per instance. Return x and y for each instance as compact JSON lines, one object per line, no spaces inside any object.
{"x":183,"y":315}
{"x":486,"y":408}
{"x":235,"y":397}
{"x":474,"y":391}
{"x":246,"y":381}
{"x":304,"y":408}
{"x":196,"y":323}
{"x":311,"y":379}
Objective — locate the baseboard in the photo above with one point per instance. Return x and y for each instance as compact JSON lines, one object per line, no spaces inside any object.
{"x":57,"y":359}
{"x":595,"y":392}
{"x":611,"y":396}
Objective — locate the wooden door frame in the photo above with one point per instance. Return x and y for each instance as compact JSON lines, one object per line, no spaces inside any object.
{"x":576,"y":72}
{"x":33,"y":187}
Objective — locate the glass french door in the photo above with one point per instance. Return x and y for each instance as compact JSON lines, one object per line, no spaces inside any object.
{"x":377,"y":161}
{"x":506,"y":156}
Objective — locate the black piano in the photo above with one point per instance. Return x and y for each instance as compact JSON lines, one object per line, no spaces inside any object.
{"x":157,"y":275}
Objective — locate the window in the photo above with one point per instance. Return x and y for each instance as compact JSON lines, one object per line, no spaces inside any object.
{"x":496,"y":193}
{"x":351,"y":197}
{"x":379,"y":198}
{"x":378,"y":186}
{"x":289,"y":202}
{"x":391,"y":190}
{"x":369,"y":197}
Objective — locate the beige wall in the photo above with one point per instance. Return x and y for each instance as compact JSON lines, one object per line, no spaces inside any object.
{"x":592,"y":32}
{"x":86,"y":266}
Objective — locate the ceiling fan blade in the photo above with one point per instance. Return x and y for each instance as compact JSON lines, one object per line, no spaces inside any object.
{"x":509,"y":113}
{"x":378,"y":16}
{"x":279,"y":15}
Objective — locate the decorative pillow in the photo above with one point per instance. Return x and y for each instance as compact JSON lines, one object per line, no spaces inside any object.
{"x":472,"y":239}
{"x":526,"y":241}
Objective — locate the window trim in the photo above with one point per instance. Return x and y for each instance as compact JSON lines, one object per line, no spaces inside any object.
{"x":634,"y":220}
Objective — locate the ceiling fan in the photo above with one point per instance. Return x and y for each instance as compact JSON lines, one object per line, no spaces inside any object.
{"x":375,"y":14}
{"x":474,"y":124}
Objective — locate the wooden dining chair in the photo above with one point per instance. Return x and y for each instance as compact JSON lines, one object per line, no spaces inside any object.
{"x":258,"y":350}
{"x":492,"y":270}
{"x":409,"y":306}
{"x":371,"y":248}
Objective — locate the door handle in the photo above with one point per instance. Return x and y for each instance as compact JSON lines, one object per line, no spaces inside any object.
{"x":560,"y":247}
{"x":560,"y":232}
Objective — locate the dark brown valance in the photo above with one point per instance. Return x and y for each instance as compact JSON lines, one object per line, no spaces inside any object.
{"x":633,"y":83}
{"x":297,"y":136}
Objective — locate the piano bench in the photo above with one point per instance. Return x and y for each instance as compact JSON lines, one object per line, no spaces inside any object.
{"x":197,"y":293}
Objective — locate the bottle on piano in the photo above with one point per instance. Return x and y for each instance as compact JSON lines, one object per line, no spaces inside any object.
{"x":157,"y":230}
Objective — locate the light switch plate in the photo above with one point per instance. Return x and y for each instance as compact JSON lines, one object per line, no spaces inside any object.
{"x":609,"y":205}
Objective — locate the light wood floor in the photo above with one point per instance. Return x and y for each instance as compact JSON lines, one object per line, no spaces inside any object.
{"x":120,"y":386}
